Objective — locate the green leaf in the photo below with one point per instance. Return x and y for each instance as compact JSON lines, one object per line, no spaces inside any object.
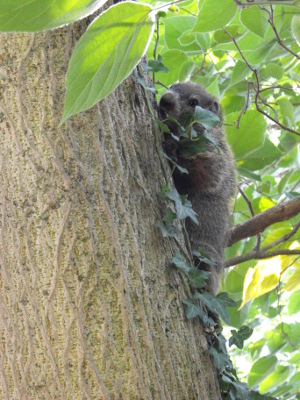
{"x":182,"y":205}
{"x":216,"y":304}
{"x":238,"y":337}
{"x":174,"y":60}
{"x":293,"y":283}
{"x":168,"y":230}
{"x":275,"y":379}
{"x":294,"y":303}
{"x":286,"y":109}
{"x":221,"y":360}
{"x":175,"y":28}
{"x":261,"y":369}
{"x":198,"y":277}
{"x":206,"y":118}
{"x":106,"y":54}
{"x":295,"y":27}
{"x":261,"y":157}
{"x":192,"y":310}
{"x":179,"y":262}
{"x":273,"y":71}
{"x":188,"y":148}
{"x":276,"y":340}
{"x":261,"y":279}
{"x":222,"y":37}
{"x":255,"y":20}
{"x":248,"y":174}
{"x":157,"y":65}
{"x":249,"y":136}
{"x":240,"y":72}
{"x":37,"y":15}
{"x":214,"y":14}
{"x":169,"y":216}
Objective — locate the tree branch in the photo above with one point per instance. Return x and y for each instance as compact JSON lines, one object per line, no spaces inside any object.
{"x":259,"y":255}
{"x":260,"y":222}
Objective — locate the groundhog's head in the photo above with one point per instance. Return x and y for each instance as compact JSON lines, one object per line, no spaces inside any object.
{"x":182,"y":98}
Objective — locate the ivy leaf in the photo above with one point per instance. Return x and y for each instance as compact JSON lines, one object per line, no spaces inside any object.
{"x":198,"y":277}
{"x":181,"y":169}
{"x":169,"y":216}
{"x":238,"y":337}
{"x":221,"y":360}
{"x":168,"y":230}
{"x":182,"y":205}
{"x":204,"y":257}
{"x":205,"y":117}
{"x":106,"y":54}
{"x":179,"y":262}
{"x":157,"y":65}
{"x":188,"y":148}
{"x":37,"y":15}
{"x":217,"y":304}
{"x":225,"y":300}
{"x":163,"y":127}
{"x":192,"y":310}
{"x":185,"y":120}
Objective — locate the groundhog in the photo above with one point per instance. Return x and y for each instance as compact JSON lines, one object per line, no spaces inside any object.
{"x":210,"y":182}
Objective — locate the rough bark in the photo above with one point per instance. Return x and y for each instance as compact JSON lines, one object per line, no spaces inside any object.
{"x":89,"y":309}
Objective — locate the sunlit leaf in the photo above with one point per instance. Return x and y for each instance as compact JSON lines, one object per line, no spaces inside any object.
{"x":275,"y":379}
{"x":261,"y":279}
{"x":249,"y":136}
{"x":214,"y":14}
{"x":255,"y":19}
{"x":295,"y":27}
{"x":175,"y":28}
{"x":37,"y":15}
{"x":294,"y":302}
{"x":260,"y":369}
{"x":276,"y":234}
{"x":174,"y":60}
{"x":293,"y":283}
{"x":106,"y":54}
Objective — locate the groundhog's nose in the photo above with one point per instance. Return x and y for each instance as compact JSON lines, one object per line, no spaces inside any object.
{"x":167,"y":103}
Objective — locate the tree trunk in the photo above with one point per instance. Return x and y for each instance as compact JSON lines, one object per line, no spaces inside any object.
{"x":89,"y":308}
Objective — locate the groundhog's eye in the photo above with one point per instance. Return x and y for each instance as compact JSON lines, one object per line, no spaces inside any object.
{"x":193,"y":102}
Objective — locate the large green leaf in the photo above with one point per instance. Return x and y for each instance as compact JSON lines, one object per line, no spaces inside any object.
{"x":295,"y":27}
{"x":174,"y":60}
{"x":275,"y":379}
{"x":106,"y":54}
{"x":175,"y":27}
{"x":38,"y":15}
{"x":255,"y":20}
{"x":261,"y":369}
{"x":261,"y":157}
{"x":249,"y":136}
{"x":214,"y":14}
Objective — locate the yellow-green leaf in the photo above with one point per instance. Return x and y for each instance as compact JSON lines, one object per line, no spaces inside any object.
{"x":38,"y":15}
{"x":261,"y":279}
{"x":106,"y":54}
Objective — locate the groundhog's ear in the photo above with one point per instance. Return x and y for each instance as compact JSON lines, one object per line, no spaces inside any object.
{"x":214,"y":107}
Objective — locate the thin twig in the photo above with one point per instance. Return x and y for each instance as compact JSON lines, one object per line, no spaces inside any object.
{"x":257,"y":88}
